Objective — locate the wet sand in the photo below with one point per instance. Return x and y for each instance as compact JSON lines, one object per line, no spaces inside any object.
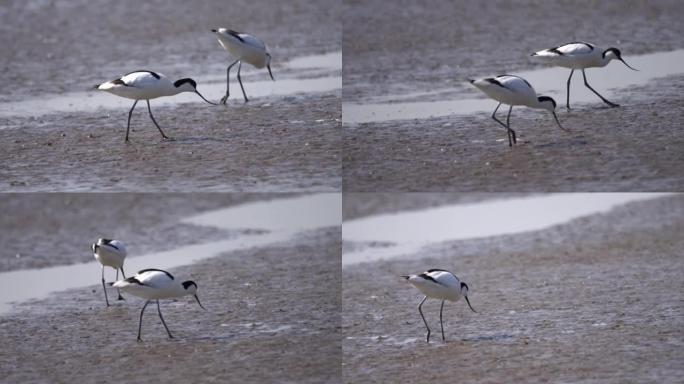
{"x":596,"y":299}
{"x":260,"y":313}
{"x":274,"y":143}
{"x":423,"y":49}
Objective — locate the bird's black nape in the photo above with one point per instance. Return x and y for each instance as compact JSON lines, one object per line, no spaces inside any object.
{"x":187,"y":284}
{"x":614,"y":50}
{"x":546,"y":98}
{"x":180,"y":82}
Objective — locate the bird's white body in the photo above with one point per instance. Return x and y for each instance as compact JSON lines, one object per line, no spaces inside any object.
{"x":153,"y":284}
{"x":437,"y":284}
{"x":243,"y":46}
{"x":576,"y":55}
{"x":110,"y":253}
{"x":143,"y":85}
{"x":509,"y":89}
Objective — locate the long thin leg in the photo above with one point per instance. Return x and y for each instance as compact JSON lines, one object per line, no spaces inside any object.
{"x":155,"y":121}
{"x":128,"y":126}
{"x":508,"y":125}
{"x":240,"y":81}
{"x":103,"y":287}
{"x":421,"y":315}
{"x":504,"y":125}
{"x":567,"y":103}
{"x":440,"y":320}
{"x":225,"y":98}
{"x":163,"y":322}
{"x":117,"y":290}
{"x":140,"y":323}
{"x":122,"y":273}
{"x":597,"y":94}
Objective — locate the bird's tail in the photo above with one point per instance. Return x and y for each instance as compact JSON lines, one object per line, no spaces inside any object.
{"x":110,"y":283}
{"x":471,"y":81}
{"x":406,"y":277}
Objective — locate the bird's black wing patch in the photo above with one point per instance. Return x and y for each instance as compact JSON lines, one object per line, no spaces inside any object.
{"x":591,"y":47}
{"x":133,"y":280}
{"x":437,"y":270}
{"x":121,"y":82}
{"x":428,"y":277}
{"x":494,"y":81}
{"x":235,"y":34}
{"x":154,"y":74}
{"x":555,"y":50}
{"x":526,"y":82}
{"x":156,"y":270}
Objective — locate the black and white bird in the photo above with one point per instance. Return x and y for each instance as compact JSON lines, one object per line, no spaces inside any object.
{"x":514,"y":90}
{"x":110,"y":253}
{"x":154,"y":284}
{"x":146,"y":85}
{"x":580,"y":55}
{"x":438,"y":284}
{"x":243,"y":47}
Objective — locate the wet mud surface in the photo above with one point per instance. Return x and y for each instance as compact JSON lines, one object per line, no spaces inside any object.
{"x":45,"y":230}
{"x":434,"y":47}
{"x":631,"y":148}
{"x":273,"y":146}
{"x":413,"y":47}
{"x":260,"y":313}
{"x":275,"y":143}
{"x":598,"y":298}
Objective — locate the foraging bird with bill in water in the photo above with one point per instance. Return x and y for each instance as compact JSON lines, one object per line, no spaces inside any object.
{"x":147,"y":85}
{"x":243,"y":47}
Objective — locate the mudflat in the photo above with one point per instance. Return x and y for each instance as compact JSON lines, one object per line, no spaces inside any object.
{"x":427,"y":51}
{"x":596,"y":299}
{"x":272,"y":143}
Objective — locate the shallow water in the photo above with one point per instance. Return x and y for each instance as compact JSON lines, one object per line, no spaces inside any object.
{"x":277,"y":220}
{"x":407,"y":232}
{"x":608,"y":81}
{"x":211,"y":87}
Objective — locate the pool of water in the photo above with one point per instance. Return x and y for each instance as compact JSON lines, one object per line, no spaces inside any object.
{"x":405,"y":233}
{"x":313,"y":76}
{"x":278,"y":220}
{"x":609,"y":81}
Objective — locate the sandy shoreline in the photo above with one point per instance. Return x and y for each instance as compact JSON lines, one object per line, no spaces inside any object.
{"x":598,"y":298}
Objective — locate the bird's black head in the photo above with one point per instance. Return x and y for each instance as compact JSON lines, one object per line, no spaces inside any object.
{"x":179,"y":83}
{"x":549,"y":99}
{"x":464,"y":285}
{"x":614,"y":51}
{"x":188,"y":284}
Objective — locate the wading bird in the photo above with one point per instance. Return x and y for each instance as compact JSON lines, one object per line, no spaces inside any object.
{"x":438,"y":284}
{"x":243,"y":47}
{"x":110,"y":253}
{"x":153,"y":285}
{"x":581,"y":55}
{"x":146,"y":85}
{"x":513,"y":90}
